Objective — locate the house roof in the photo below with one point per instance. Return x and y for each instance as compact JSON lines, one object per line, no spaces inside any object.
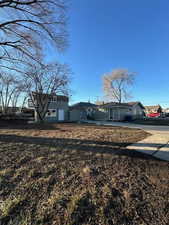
{"x":135,"y":103}
{"x":153,"y":107}
{"x":116,"y":104}
{"x":59,"y":97}
{"x":83,"y":105}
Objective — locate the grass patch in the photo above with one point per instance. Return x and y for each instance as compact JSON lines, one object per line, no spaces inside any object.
{"x":5,"y":172}
{"x":10,"y":205}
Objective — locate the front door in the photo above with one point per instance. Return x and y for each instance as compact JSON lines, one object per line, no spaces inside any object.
{"x":61,"y":115}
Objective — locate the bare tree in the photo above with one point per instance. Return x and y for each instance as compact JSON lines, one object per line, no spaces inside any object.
{"x":10,"y":89}
{"x":20,"y":96}
{"x":116,"y":84}
{"x":42,"y":83}
{"x":14,"y":100}
{"x":26,"y":25}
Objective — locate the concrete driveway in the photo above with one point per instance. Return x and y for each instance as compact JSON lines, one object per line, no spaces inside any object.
{"x":156,"y":145}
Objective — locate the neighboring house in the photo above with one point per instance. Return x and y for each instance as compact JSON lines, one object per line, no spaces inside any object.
{"x":166,"y":110}
{"x":82,"y":111}
{"x":57,"y":110}
{"x":27,"y":112}
{"x":99,"y":102}
{"x":153,"y":111}
{"x":10,"y":109}
{"x":137,"y":110}
{"x":119,"y":111}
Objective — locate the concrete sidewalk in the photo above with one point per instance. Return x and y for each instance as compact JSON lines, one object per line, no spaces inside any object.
{"x":156,"y":145}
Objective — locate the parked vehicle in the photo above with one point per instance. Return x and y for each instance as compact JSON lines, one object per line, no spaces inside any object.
{"x":154,"y":115}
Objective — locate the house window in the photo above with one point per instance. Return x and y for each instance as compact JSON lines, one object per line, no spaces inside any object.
{"x":51,"y":113}
{"x":53,"y":99}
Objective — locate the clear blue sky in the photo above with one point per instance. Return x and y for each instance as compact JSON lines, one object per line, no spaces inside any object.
{"x":106,"y":35}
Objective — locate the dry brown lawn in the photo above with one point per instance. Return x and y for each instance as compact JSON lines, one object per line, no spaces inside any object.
{"x":70,"y":174}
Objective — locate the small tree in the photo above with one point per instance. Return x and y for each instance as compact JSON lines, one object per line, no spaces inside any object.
{"x":19,"y":97}
{"x":10,"y":89}
{"x":44,"y":82}
{"x":116,"y":84}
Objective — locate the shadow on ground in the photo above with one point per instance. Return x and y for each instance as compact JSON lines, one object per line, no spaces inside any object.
{"x":24,"y":125}
{"x":117,"y":148}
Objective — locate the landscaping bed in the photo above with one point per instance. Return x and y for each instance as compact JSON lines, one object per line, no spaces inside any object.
{"x":71,"y":174}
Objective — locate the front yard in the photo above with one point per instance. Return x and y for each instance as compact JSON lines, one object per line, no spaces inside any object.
{"x":70,"y":174}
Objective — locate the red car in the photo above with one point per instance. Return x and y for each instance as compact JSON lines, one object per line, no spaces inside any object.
{"x":153,"y":115}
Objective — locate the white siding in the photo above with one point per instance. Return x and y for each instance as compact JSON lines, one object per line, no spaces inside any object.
{"x":137,"y":111}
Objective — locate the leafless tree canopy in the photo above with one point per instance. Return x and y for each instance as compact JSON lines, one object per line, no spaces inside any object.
{"x":116,"y":84}
{"x":26,"y":24}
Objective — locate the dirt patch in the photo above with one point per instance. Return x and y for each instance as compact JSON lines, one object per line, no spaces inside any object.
{"x":71,"y":132}
{"x":79,"y":174}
